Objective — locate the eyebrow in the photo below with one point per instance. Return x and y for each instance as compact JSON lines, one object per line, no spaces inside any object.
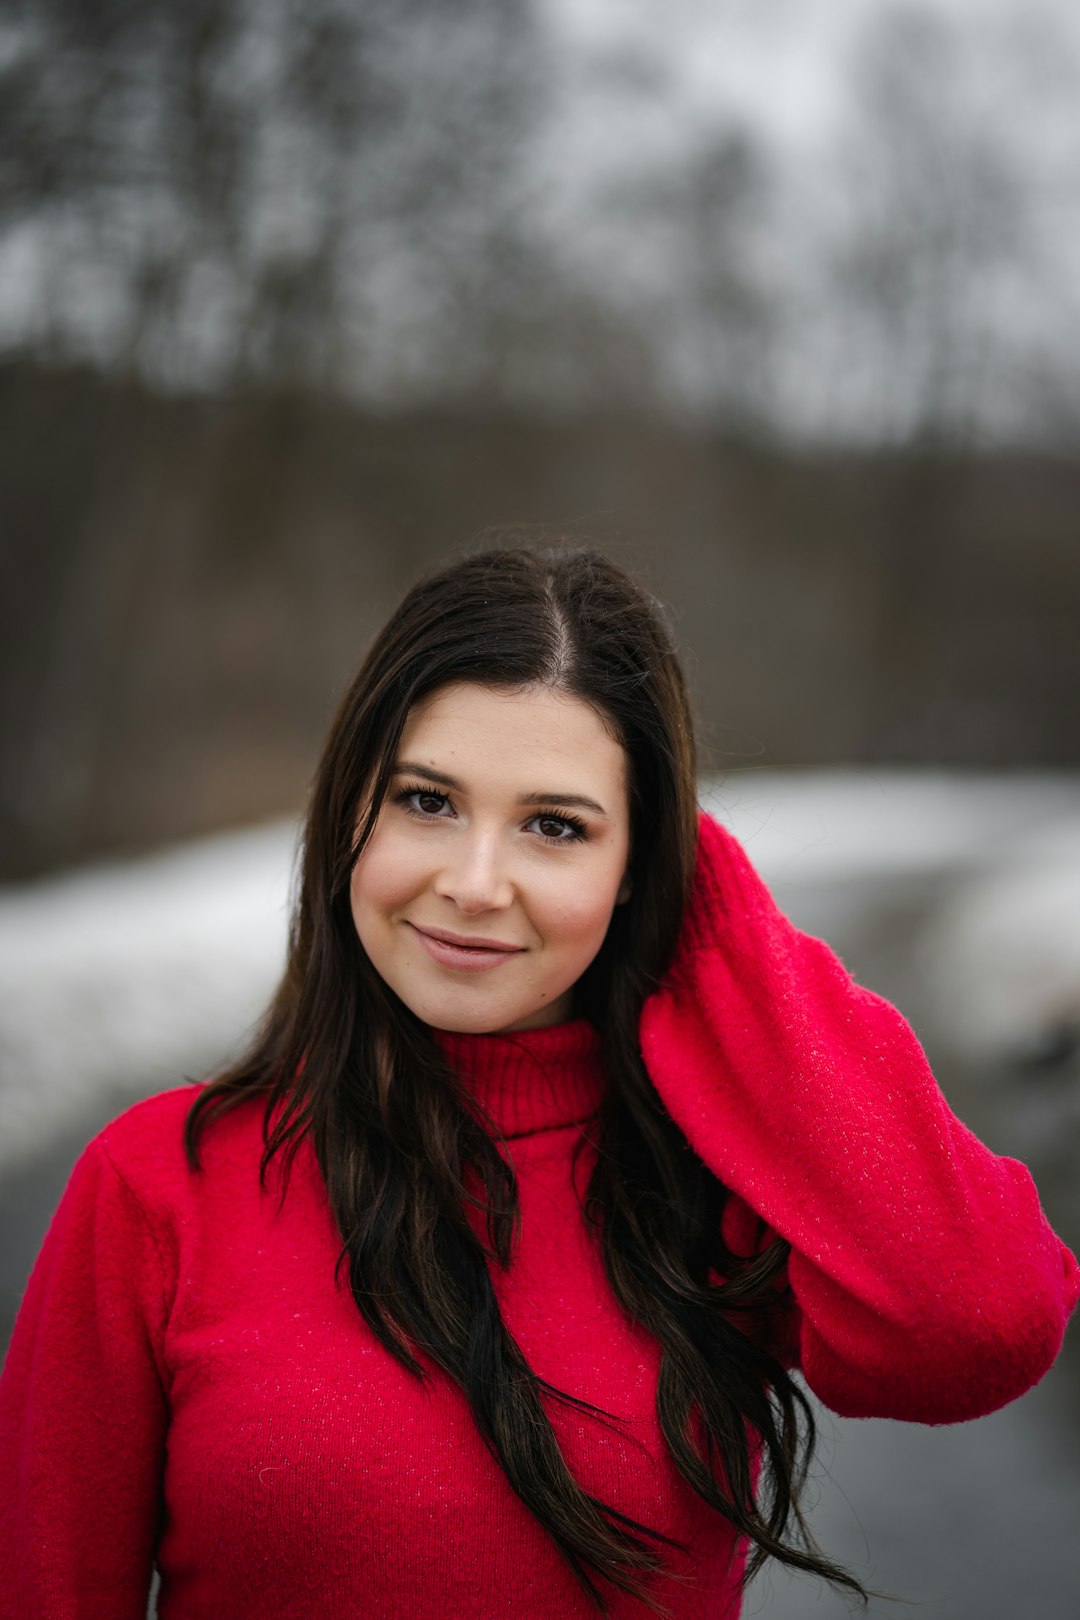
{"x":408,"y":767}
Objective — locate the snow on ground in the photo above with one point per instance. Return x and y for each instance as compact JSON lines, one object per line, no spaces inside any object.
{"x":813,"y":827}
{"x":1004,"y":955}
{"x":120,"y":979}
{"x":117,"y":980}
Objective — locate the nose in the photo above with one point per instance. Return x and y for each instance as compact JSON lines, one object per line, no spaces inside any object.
{"x":475,"y":875}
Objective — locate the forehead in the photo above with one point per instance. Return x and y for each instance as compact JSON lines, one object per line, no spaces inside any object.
{"x":534,"y":738}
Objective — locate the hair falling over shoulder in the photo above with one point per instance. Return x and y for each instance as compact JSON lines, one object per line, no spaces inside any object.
{"x":338,"y":1058}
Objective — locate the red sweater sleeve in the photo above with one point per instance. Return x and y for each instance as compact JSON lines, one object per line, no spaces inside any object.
{"x":82,"y":1411}
{"x":928,"y":1282}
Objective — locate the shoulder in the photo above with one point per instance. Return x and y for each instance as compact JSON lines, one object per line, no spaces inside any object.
{"x":149,"y":1132}
{"x":150,"y":1118}
{"x":144,"y":1147}
{"x":135,"y":1212}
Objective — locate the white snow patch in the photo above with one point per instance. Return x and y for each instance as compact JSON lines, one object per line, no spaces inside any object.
{"x":826,"y":826}
{"x":1003,"y":957}
{"x":117,"y":980}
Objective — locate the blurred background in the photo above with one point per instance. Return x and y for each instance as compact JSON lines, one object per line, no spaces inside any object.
{"x":778,"y":302}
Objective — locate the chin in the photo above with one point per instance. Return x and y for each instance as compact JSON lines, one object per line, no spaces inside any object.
{"x":459,"y":1020}
{"x":455,"y":1019}
{"x":458,"y":1023}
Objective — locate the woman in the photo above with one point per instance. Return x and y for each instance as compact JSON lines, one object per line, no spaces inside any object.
{"x":480,"y":1284}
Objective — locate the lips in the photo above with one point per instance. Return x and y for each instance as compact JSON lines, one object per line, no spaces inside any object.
{"x":463,"y":952}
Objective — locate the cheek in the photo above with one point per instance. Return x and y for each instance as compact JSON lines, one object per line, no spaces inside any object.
{"x":384,"y":877}
{"x":577,"y":914}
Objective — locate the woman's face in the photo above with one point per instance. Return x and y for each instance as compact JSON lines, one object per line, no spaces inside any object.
{"x":498,"y":856}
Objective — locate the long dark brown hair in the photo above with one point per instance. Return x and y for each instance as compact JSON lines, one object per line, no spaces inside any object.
{"x":340,"y":1059}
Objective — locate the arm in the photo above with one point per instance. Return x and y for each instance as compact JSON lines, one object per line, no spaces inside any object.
{"x":929,"y":1283}
{"x":82,"y":1411}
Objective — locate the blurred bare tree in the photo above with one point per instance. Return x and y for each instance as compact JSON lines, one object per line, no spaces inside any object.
{"x":351,"y":196}
{"x":937,"y":246}
{"x":939,"y":217}
{"x":294,"y":295}
{"x":307,"y":193}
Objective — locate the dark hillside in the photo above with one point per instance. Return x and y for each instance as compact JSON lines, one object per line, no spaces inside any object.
{"x":185,"y":585}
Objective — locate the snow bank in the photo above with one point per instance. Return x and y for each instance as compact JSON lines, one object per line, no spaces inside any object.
{"x":118,"y":980}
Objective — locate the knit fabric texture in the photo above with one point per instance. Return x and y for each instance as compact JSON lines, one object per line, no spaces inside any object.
{"x":189,"y":1385}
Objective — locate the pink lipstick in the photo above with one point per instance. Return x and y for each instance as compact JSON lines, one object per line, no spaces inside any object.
{"x":464,"y":952}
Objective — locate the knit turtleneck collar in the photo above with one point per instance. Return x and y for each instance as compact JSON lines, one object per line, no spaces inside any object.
{"x":534,"y":1080}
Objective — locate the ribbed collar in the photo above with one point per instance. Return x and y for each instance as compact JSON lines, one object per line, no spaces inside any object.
{"x":535,"y":1080}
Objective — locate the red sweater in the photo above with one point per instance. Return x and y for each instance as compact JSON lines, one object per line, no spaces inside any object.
{"x":187,"y":1385}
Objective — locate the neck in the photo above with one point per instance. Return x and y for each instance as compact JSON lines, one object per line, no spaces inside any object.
{"x":531,"y":1080}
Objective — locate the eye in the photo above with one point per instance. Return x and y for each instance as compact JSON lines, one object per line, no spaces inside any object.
{"x":423,"y":802}
{"x":558,"y":829}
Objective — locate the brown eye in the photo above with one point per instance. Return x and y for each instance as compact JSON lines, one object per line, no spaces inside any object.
{"x":423,"y":802}
{"x":558,"y":829}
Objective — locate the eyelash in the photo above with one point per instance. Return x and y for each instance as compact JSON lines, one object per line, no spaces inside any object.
{"x":414,"y":790}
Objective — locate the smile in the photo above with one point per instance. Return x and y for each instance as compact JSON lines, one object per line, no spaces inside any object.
{"x":464,"y":954}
